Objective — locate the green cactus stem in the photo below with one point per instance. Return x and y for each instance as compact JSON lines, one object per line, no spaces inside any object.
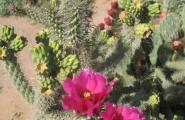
{"x":17,"y":44}
{"x":19,"y":80}
{"x":6,"y":33}
{"x":154,"y":9}
{"x":126,"y":18}
{"x":132,"y":7}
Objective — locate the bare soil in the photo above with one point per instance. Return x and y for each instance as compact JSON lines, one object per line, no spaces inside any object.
{"x":12,"y":105}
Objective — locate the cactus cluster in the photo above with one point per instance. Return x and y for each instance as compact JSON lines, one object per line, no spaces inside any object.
{"x":136,"y":10}
{"x":10,"y":43}
{"x":69,"y":66}
{"x":106,"y":38}
{"x":42,"y":36}
{"x":41,"y":57}
{"x":6,"y":33}
{"x":154,"y":9}
{"x":48,"y":17}
{"x":54,"y":22}
{"x":143,"y":30}
{"x":126,"y":18}
{"x":47,"y":85}
{"x":52,"y":62}
{"x":17,"y":44}
{"x":57,"y":50}
{"x":134,"y":7}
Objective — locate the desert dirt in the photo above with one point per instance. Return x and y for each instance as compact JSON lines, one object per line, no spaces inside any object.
{"x":12,"y":105}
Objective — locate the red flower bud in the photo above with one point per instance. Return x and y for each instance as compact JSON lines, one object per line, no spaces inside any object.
{"x":101,"y":26}
{"x":108,"y":21}
{"x":114,"y":5}
{"x":177,"y":45}
{"x":111,"y":12}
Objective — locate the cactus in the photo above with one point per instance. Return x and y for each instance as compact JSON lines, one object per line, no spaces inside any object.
{"x":126,"y":18}
{"x":48,"y":85}
{"x":17,"y":44}
{"x":46,"y":103}
{"x":69,"y":66}
{"x":143,"y":30}
{"x":40,"y":55}
{"x":6,"y":33}
{"x":43,"y":37}
{"x":19,"y":80}
{"x":53,"y":3}
{"x":11,"y":45}
{"x":103,"y":36}
{"x":132,"y":7}
{"x":57,"y":49}
{"x":112,"y":41}
{"x":153,"y":9}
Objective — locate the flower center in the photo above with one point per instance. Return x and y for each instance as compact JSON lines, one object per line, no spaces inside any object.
{"x":41,"y":67}
{"x":122,"y":15}
{"x":2,"y":53}
{"x":87,"y":95}
{"x":138,"y":4}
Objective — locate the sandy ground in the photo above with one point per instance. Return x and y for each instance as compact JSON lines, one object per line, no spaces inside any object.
{"x":12,"y":105}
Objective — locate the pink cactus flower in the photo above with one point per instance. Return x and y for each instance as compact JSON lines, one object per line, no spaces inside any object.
{"x":125,"y":112}
{"x":86,"y":92}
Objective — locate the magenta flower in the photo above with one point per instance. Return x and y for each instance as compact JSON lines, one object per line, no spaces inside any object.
{"x":85,"y":92}
{"x":114,"y":112}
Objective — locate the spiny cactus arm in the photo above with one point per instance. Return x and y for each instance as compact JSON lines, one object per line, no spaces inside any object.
{"x":70,"y":22}
{"x":19,"y":81}
{"x":158,"y":73}
{"x":48,"y":17}
{"x":178,"y":76}
{"x":75,"y":23}
{"x":170,"y":27}
{"x":47,"y":101}
{"x":176,"y":65}
{"x":162,"y":44}
{"x":183,"y":18}
{"x":174,"y":5}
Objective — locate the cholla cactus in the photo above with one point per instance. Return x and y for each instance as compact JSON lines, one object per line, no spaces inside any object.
{"x":154,"y":9}
{"x":41,"y":57}
{"x":10,"y":44}
{"x":146,"y":60}
{"x":133,"y":7}
{"x":143,"y":30}
{"x":126,"y":18}
{"x":6,"y":33}
{"x":17,"y":44}
{"x":69,"y":66}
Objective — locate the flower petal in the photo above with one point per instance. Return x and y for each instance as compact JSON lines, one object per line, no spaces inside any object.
{"x":68,"y":86}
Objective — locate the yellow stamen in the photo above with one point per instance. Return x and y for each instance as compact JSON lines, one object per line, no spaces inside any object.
{"x":122,"y":15}
{"x":48,"y":92}
{"x":46,"y":30}
{"x":87,"y":95}
{"x":41,"y":32}
{"x":138,"y":3}
{"x":2,"y":53}
{"x":41,"y":67}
